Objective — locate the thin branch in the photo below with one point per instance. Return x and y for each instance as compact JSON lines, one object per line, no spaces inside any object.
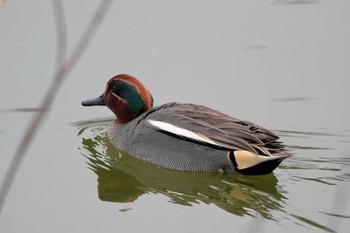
{"x":59,"y":77}
{"x":61,"y":33}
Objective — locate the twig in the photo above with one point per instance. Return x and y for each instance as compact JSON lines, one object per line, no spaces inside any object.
{"x":59,"y":77}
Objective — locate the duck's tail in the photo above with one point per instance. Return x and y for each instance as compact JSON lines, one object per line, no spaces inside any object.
{"x":249,"y":163}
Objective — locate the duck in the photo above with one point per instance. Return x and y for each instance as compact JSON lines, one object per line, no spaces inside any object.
{"x":183,"y":136}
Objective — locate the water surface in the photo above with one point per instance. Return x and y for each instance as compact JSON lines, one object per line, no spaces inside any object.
{"x":281,"y":64}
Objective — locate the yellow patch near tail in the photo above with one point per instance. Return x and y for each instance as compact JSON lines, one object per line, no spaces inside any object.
{"x":246,"y":159}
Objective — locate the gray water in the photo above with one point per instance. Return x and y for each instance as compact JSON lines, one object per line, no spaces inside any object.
{"x":281,"y":64}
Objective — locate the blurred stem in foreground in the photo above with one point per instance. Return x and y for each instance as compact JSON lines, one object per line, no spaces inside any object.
{"x":64,"y":68}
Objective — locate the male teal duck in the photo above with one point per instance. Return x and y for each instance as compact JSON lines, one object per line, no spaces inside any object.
{"x":186,"y":137}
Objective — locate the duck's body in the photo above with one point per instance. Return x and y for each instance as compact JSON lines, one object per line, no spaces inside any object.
{"x":147,"y":141}
{"x":186,"y":137}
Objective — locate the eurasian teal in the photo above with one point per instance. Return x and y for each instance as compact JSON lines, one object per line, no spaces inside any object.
{"x":186,"y":137}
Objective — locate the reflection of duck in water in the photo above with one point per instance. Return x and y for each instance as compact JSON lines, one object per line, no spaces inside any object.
{"x":186,"y":137}
{"x":123,"y":178}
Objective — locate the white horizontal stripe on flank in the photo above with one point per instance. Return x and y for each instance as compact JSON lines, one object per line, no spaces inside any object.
{"x":167,"y":127}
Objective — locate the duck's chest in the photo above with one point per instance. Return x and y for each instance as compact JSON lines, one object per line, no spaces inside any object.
{"x":120,"y":135}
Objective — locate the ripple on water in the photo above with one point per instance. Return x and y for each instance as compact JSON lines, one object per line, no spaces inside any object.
{"x":123,"y":178}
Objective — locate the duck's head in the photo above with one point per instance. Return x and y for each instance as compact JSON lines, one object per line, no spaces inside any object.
{"x":126,"y":96}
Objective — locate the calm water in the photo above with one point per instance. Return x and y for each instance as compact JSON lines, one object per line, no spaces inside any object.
{"x":282,"y":64}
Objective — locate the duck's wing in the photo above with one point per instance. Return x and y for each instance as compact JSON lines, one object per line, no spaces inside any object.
{"x":205,"y":125}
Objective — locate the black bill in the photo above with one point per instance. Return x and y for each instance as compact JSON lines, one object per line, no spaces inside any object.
{"x":94,"y":102}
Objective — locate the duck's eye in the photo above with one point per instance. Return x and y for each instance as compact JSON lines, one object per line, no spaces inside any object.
{"x":118,"y":87}
{"x":114,"y":89}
